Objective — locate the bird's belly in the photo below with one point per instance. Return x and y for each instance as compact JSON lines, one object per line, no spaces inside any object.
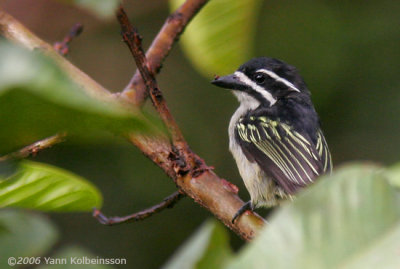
{"x":263,"y":191}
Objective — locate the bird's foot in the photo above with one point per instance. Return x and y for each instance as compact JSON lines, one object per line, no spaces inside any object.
{"x":244,"y":208}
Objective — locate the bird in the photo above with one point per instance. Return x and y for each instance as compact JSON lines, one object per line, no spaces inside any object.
{"x":275,"y":134}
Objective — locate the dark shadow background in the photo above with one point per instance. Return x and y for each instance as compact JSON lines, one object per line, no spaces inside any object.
{"x":347,"y":51}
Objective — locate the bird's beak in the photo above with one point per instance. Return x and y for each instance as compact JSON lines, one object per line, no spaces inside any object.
{"x":229,"y":82}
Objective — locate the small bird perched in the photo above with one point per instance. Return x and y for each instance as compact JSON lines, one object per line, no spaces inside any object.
{"x":274,"y":135}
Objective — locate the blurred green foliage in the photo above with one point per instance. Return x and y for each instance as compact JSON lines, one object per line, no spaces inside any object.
{"x":29,"y":238}
{"x":347,"y":51}
{"x":207,"y":248}
{"x":102,"y":8}
{"x":38,"y":100}
{"x":25,"y":235}
{"x":221,"y":37}
{"x":348,"y":220}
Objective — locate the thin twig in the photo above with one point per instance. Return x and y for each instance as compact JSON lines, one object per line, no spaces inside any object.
{"x":162,"y":44}
{"x":62,"y":46}
{"x":168,"y":202}
{"x":133,"y":40}
{"x":34,"y":148}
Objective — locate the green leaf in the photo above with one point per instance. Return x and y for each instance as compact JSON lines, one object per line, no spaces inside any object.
{"x":348,"y":220}
{"x":221,"y":36}
{"x":393,"y":174}
{"x":207,"y":248}
{"x":38,"y":100}
{"x":101,"y":8}
{"x":25,"y":235}
{"x":67,"y":258}
{"x":43,"y":187}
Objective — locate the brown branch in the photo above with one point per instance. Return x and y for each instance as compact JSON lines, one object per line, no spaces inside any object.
{"x":134,"y":42}
{"x":206,"y":188}
{"x":35,"y":147}
{"x":62,"y":46}
{"x":217,"y":195}
{"x":194,"y":186}
{"x":14,"y":31}
{"x":162,"y":44}
{"x":168,"y":202}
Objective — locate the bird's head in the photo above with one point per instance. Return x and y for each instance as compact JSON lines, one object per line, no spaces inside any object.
{"x":263,"y":81}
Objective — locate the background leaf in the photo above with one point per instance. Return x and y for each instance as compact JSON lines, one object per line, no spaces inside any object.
{"x":101,"y":8}
{"x":393,"y":174}
{"x":221,"y":37}
{"x":349,"y":220}
{"x":38,"y":100}
{"x":207,"y":248}
{"x":43,"y":187}
{"x":25,"y":235}
{"x":75,"y":252}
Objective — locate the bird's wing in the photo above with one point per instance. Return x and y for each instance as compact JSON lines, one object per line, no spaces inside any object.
{"x":291,"y":159}
{"x":324,"y":153}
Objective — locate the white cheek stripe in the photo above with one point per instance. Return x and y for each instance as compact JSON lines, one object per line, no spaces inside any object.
{"x":245,"y":79}
{"x":278,"y":78}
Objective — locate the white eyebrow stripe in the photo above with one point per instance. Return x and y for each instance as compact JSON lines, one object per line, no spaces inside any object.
{"x":245,"y":79}
{"x":278,"y":78}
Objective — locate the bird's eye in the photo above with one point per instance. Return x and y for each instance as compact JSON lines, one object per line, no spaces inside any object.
{"x":259,"y":78}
